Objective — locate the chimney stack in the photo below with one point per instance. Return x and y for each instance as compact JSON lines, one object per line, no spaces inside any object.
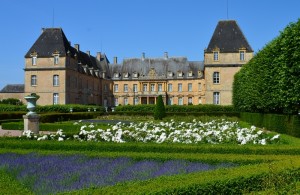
{"x":88,"y":53}
{"x":115,"y":60}
{"x":77,"y":47}
{"x":98,"y":56}
{"x":143,"y":56}
{"x":166,"y":55}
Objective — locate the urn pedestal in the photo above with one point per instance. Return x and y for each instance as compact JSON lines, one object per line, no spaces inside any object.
{"x":31,"y":119}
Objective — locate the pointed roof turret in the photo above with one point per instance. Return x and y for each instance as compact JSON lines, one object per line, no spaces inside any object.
{"x":228,"y":37}
{"x":52,"y":40}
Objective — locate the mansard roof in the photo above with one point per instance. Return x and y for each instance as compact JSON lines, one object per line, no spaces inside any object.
{"x":228,"y":38}
{"x":13,"y":88}
{"x":157,"y":68}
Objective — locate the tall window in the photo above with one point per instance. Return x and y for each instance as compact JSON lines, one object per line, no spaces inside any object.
{"x":116,"y":101}
{"x":56,"y":57}
{"x":199,"y":100}
{"x":33,"y":80}
{"x":190,"y":87}
{"x":136,"y":100}
{"x":125,"y":87}
{"x":180,"y":101}
{"x":216,"y":56}
{"x":145,"y":87}
{"x":152,"y":87}
{"x":242,"y":55}
{"x":180,"y":87}
{"x":216,"y":98}
{"x":170,"y":87}
{"x":55,"y":98}
{"x":216,"y":78}
{"x":105,"y":88}
{"x":34,"y":58}
{"x":159,"y":87}
{"x":190,"y":101}
{"x":126,"y":101}
{"x":170,"y":101}
{"x":55,"y":80}
{"x":116,"y":88}
{"x":135,"y":88}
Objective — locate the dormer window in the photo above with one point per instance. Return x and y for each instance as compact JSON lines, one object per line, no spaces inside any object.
{"x":126,"y":75}
{"x":56,"y":59}
{"x":116,"y":75}
{"x":200,"y":74}
{"x":190,"y":74}
{"x":170,"y":74}
{"x":216,"y":56}
{"x":135,"y":75}
{"x":180,"y":74}
{"x":34,"y":59}
{"x":242,"y":55}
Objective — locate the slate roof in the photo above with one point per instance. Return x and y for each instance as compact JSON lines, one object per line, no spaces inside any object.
{"x":53,"y":40}
{"x":228,"y":37}
{"x":13,"y":88}
{"x":161,"y":67}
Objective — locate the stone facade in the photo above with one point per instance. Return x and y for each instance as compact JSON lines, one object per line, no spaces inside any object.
{"x":62,"y":74}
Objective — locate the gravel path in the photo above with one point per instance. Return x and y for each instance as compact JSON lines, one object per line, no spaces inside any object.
{"x":17,"y":133}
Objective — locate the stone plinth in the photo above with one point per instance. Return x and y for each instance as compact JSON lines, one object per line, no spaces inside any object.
{"x":31,"y":122}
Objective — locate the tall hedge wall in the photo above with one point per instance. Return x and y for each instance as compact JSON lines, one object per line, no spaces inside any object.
{"x":269,"y":82}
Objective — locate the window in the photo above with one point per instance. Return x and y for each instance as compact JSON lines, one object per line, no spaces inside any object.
{"x":116,"y":88}
{"x":126,"y":75}
{"x":152,"y":87}
{"x":136,"y":100}
{"x":145,"y":87}
{"x":135,"y":75}
{"x":199,"y":87}
{"x":216,"y":56}
{"x":180,"y":74}
{"x":190,"y":87}
{"x":55,"y":80}
{"x":170,"y":87}
{"x":56,"y":57}
{"x":180,"y":101}
{"x":34,"y":58}
{"x":170,"y":74}
{"x":135,"y":88}
{"x":242,"y":55}
{"x":216,"y":98}
{"x":190,"y":101}
{"x":55,"y":98}
{"x":33,"y":80}
{"x":170,"y":101}
{"x":126,"y":101}
{"x":160,"y":87}
{"x":105,"y":87}
{"x":116,"y":101}
{"x":180,"y":87}
{"x":190,"y":73}
{"x":216,"y":78}
{"x":116,"y":75}
{"x":125,"y":87}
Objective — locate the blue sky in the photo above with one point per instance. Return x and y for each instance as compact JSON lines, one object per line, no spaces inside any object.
{"x":126,"y":28}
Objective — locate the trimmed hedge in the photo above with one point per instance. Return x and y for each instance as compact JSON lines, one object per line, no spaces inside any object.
{"x":57,"y":117}
{"x":285,"y":124}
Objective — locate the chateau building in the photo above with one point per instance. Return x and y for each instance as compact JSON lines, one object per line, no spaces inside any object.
{"x":62,"y":74}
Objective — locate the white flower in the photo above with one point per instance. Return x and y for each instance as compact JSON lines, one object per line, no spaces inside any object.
{"x":60,"y":139}
{"x":275,"y":137}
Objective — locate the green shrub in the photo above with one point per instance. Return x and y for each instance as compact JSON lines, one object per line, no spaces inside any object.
{"x":11,"y":101}
{"x":159,"y":111}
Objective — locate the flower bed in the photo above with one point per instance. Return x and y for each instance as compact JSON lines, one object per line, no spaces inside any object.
{"x":49,"y":174}
{"x":213,"y":132}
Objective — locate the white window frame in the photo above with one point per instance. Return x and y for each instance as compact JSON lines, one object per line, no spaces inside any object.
{"x":159,"y":87}
{"x":116,"y":101}
{"x":116,"y":75}
{"x":55,"y":80}
{"x":216,"y":78}
{"x":170,"y":87}
{"x":180,"y":101}
{"x":135,"y":88}
{"x":145,"y":87}
{"x":216,"y":55}
{"x":152,"y":87}
{"x":33,"y":80}
{"x":179,"y":87}
{"x":190,"y":100}
{"x":125,"y":101}
{"x":242,"y":55}
{"x":125,"y":87}
{"x":170,"y":101}
{"x":55,"y":98}
{"x":216,"y":98}
{"x":190,"y":73}
{"x":116,"y":88}
{"x":136,"y":100}
{"x":34,"y":60}
{"x":56,"y":59}
{"x":190,"y":87}
{"x":199,"y":87}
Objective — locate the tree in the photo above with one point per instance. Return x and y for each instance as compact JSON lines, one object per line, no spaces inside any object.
{"x":159,"y":110}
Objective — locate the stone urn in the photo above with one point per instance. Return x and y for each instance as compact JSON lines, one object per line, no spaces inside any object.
{"x":31,"y":103}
